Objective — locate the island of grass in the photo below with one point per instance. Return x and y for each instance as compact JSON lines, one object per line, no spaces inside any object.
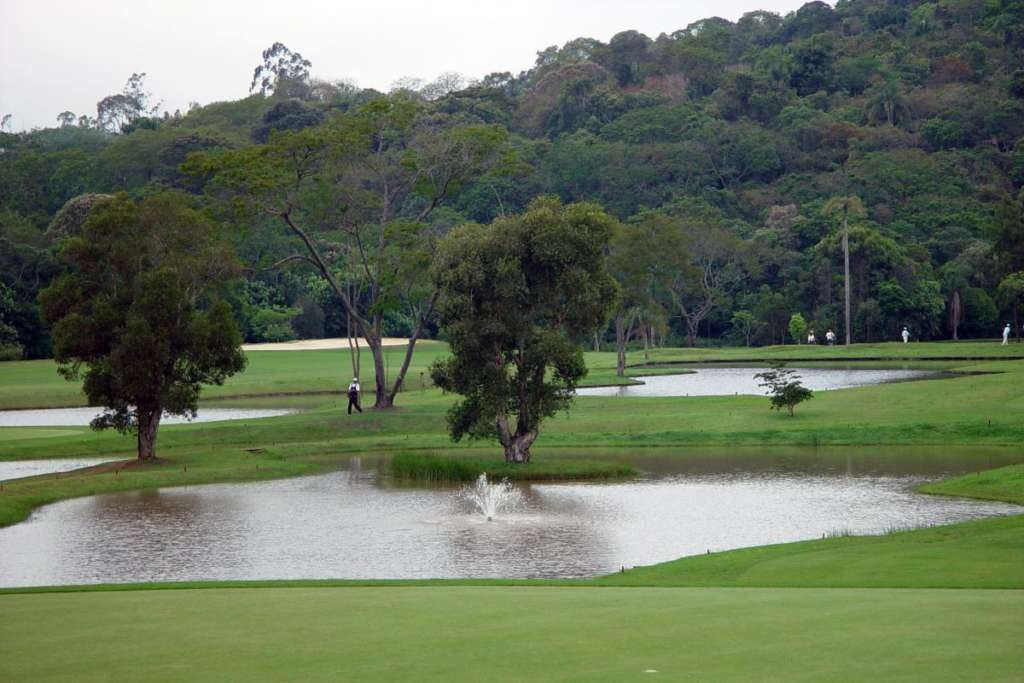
{"x":444,"y":468}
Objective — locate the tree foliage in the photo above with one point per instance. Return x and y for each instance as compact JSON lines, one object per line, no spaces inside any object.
{"x":915,"y":109}
{"x":137,"y":317}
{"x":282,"y":73}
{"x":784,"y":388}
{"x":518,"y":297}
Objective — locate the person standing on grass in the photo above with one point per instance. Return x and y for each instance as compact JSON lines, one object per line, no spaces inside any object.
{"x":810,"y":338}
{"x":353,"y":396}
{"x":905,"y":334}
{"x":830,"y":337}
{"x":1006,"y":334}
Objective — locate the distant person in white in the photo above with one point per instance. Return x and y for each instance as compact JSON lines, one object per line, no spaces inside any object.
{"x":353,"y":396}
{"x":830,"y":337}
{"x":810,"y":338}
{"x":905,"y":334}
{"x":1006,"y":334}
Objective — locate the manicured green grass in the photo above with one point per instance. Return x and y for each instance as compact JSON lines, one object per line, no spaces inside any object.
{"x":981,"y":554}
{"x":432,"y":467}
{"x":522,"y":634}
{"x":25,"y":384}
{"x":1004,"y":483}
{"x":36,"y":384}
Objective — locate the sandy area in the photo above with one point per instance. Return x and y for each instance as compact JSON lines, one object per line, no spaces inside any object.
{"x":315,"y":344}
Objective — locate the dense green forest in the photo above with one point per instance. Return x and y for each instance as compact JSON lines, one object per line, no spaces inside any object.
{"x":732,"y":154}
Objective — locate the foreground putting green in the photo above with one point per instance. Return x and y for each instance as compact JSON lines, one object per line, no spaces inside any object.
{"x":524,"y":634}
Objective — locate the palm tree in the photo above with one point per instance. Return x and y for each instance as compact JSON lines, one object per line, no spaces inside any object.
{"x":886,"y":102}
{"x":848,"y":205}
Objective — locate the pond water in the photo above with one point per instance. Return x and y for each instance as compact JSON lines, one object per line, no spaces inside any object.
{"x":75,"y":417}
{"x":726,"y":381}
{"x":15,"y":469}
{"x":354,"y":523}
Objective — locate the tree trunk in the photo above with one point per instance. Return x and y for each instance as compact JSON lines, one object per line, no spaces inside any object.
{"x":597,"y":342}
{"x":353,"y":338}
{"x":955,"y":314}
{"x":517,"y":445}
{"x":846,"y":273}
{"x":621,"y":339}
{"x":647,"y":341}
{"x":381,"y":397}
{"x":692,"y":327}
{"x":148,"y":423}
{"x":517,"y":450}
{"x":411,"y":345}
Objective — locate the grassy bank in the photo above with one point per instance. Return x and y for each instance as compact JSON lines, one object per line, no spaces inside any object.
{"x":987,"y":553}
{"x":431,"y":467}
{"x":970,"y":410}
{"x":36,"y":384}
{"x":497,"y":634}
{"x":1004,"y":483}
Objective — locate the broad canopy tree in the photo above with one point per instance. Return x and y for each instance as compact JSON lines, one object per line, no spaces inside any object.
{"x":357,"y":193}
{"x":517,"y":300}
{"x":632,"y":258}
{"x":695,"y":261}
{"x":137,"y":316}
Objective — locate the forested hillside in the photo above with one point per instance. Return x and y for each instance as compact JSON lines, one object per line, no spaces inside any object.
{"x":732,"y":153}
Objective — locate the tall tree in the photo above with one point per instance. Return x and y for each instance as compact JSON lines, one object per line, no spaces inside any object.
{"x":114,"y":113}
{"x":282,"y":72}
{"x":138,"y":318}
{"x":10,"y":347}
{"x":1011,"y":292}
{"x":631,"y":261}
{"x":518,"y":299}
{"x":845,"y":206}
{"x":696,"y":259}
{"x":357,"y":193}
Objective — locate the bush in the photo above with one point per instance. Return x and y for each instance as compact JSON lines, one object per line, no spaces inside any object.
{"x":784,"y":387}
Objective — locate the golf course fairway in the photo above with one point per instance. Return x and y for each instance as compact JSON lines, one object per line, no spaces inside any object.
{"x":522,"y":633}
{"x":941,"y":603}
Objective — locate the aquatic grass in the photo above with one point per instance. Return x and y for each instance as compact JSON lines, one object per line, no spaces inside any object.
{"x":431,"y":467}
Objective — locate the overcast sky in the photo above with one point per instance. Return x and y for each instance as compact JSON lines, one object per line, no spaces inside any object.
{"x":58,"y":55}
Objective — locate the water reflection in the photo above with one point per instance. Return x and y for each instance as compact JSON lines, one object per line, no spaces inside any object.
{"x":726,"y":381}
{"x":355,"y":524}
{"x":74,"y":417}
{"x":15,"y":469}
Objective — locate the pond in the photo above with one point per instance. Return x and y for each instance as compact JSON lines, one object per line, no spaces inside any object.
{"x":354,"y":523}
{"x":727,"y":381}
{"x":76,"y":417}
{"x":15,"y":469}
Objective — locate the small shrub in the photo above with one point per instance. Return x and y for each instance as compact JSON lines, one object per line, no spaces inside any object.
{"x":784,"y":387}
